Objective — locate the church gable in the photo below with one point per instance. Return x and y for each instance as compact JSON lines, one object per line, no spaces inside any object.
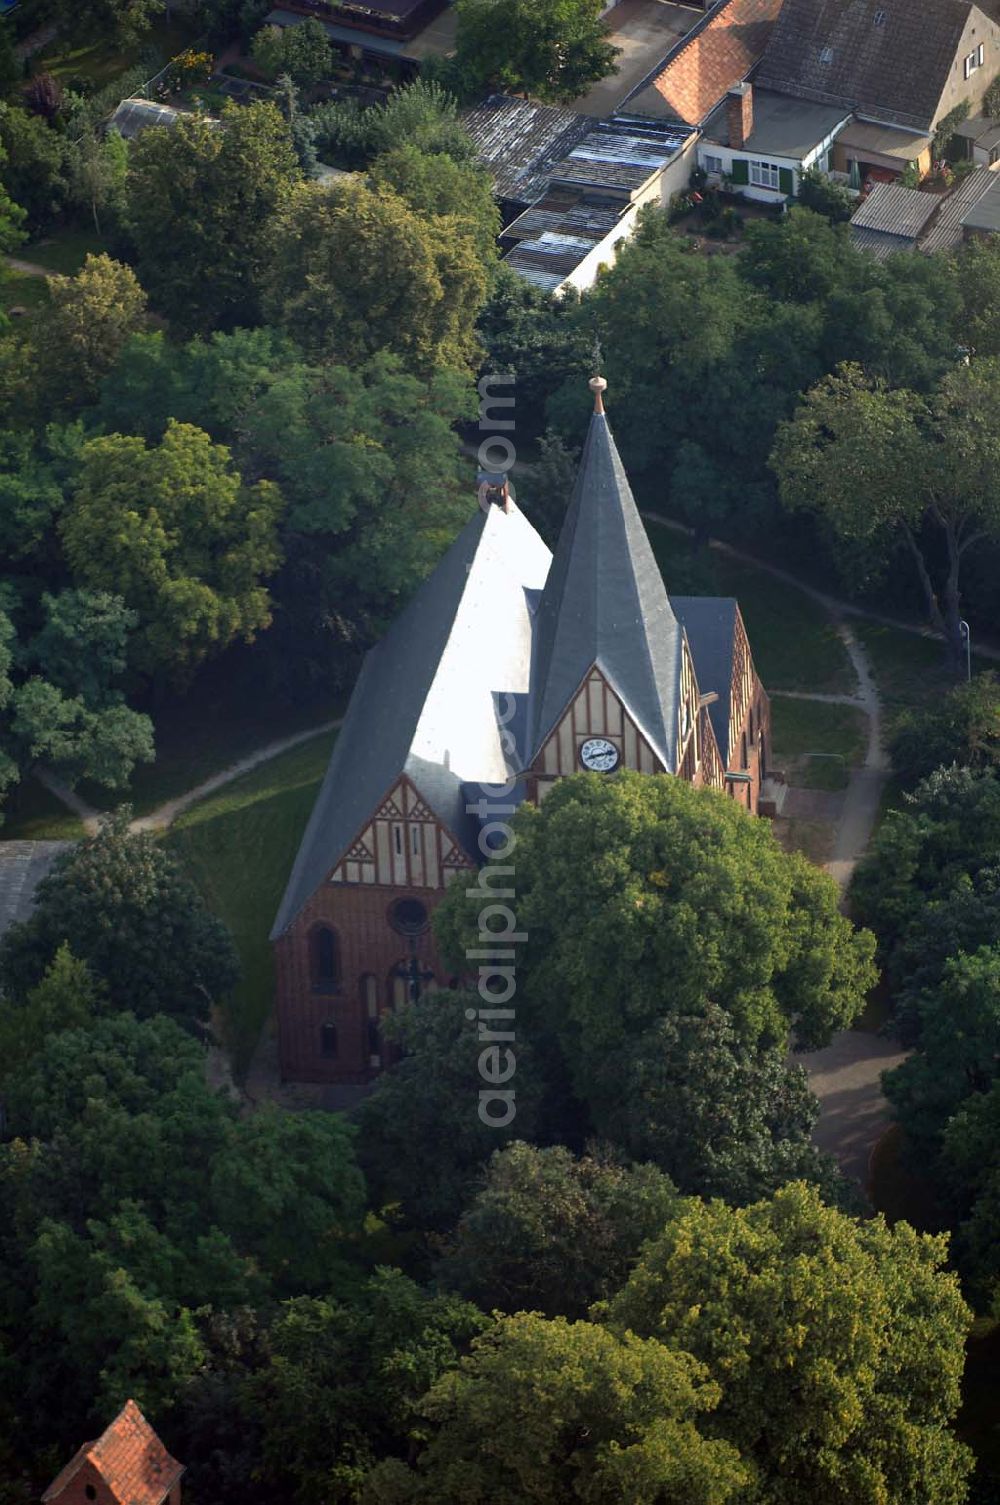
{"x":404,"y":845}
{"x":596,"y":710}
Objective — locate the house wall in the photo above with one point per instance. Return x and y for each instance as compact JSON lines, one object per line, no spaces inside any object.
{"x":595,"y":711}
{"x":979,"y":29}
{"x":749,"y":748}
{"x":843,"y":156}
{"x":673,"y":179}
{"x":819,"y":155}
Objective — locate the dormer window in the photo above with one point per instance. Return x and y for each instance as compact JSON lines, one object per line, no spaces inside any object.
{"x":826,"y":56}
{"x":879,"y":18}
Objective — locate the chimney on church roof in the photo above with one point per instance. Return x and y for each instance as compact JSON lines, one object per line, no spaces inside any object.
{"x":494,"y":490}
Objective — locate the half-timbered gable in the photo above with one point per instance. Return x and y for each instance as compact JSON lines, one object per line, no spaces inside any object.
{"x":404,"y":846}
{"x":511,"y":668}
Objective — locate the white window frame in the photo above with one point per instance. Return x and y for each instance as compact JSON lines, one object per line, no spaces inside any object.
{"x":765,"y":175}
{"x":975,"y":60}
{"x":713,"y":164}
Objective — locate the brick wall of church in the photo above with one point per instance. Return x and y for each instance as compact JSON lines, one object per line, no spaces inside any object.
{"x":369,"y":948}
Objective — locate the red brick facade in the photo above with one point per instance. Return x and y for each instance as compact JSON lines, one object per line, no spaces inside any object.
{"x":329,"y":1027}
{"x":371,"y":953}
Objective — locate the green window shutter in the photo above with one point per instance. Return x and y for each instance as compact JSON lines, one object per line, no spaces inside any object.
{"x":740,"y":170}
{"x":786,"y":180}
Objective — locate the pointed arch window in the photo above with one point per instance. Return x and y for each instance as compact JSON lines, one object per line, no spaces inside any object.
{"x":324,"y":959}
{"x":329,"y":1044}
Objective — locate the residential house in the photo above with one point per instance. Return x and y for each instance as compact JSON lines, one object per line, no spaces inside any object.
{"x":720,"y":51}
{"x":400,"y":34}
{"x":894,"y":69}
{"x":510,"y":668}
{"x":126,"y":1465}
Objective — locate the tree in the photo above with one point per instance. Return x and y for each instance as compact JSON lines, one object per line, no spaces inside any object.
{"x":66,"y":998}
{"x":32,"y":168}
{"x":554,"y":1411}
{"x":302,"y":51}
{"x":342,"y":1382}
{"x":837,"y":1345}
{"x":287,"y":1189}
{"x":367,"y":458}
{"x":940,"y":848}
{"x":958,"y":1050}
{"x":128,"y":21}
{"x":122,"y":905}
{"x":549,"y":486}
{"x":554,"y":49}
{"x":421,"y":115}
{"x":823,"y":196}
{"x":626,"y":889}
{"x":549,"y":1233}
{"x":352,"y":271}
{"x":200,"y":198}
{"x":174,"y":530}
{"x":98,"y":172}
{"x":969,"y":1180}
{"x":885,"y":469}
{"x":44,"y":96}
{"x":802,"y":259}
{"x":71,"y":715}
{"x":719,"y":1119}
{"x":435,"y":184}
{"x":422,"y":1141}
{"x":962,"y":730}
{"x":77,"y":338}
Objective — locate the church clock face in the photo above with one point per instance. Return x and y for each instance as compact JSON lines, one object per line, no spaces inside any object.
{"x":599,"y":755}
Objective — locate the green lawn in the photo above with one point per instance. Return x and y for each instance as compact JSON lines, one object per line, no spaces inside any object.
{"x":239,"y":846}
{"x":910,"y":670}
{"x":100,"y":60}
{"x":795,"y":646}
{"x":801,"y":729}
{"x":201,"y":733}
{"x":64,"y":253}
{"x":31,"y":813}
{"x":21,"y":290}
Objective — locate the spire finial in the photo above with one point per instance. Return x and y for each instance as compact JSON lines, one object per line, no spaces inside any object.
{"x":597,"y":383}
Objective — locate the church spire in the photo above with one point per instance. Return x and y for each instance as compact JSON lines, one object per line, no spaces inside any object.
{"x":605,"y":603}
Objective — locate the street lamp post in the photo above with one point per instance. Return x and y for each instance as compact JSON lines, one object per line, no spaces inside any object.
{"x":966,"y":632}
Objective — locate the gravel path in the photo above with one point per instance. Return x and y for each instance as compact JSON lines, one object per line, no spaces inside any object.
{"x":167,"y":813}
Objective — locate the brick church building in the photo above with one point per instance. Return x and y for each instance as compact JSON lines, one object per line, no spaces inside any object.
{"x":510,"y":663}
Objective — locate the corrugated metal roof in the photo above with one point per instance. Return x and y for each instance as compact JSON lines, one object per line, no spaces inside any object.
{"x":622,"y":153}
{"x":985,"y":212}
{"x":517,"y":141}
{"x":896,"y":210}
{"x":557,"y":233}
{"x":881,"y":245}
{"x":946,"y":231}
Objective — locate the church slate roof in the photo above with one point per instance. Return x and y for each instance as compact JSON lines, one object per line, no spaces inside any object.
{"x":710,"y":624}
{"x":605,"y":603}
{"x":425,"y":701}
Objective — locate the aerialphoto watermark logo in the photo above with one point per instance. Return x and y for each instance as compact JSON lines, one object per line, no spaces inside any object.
{"x":495,"y":954}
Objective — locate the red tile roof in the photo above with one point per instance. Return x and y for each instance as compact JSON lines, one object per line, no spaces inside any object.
{"x":715,"y":57}
{"x":130,"y":1459}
